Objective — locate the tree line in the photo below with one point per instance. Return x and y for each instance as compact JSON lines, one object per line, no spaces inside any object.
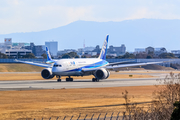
{"x":147,"y":56}
{"x":127,"y":55}
{"x":29,"y":55}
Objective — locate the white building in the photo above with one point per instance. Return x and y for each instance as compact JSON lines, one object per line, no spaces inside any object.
{"x":8,"y":41}
{"x":88,"y":48}
{"x":13,"y":49}
{"x":139,"y":50}
{"x":53,"y":47}
{"x":158,"y":51}
{"x":176,"y":53}
{"x":15,"y":52}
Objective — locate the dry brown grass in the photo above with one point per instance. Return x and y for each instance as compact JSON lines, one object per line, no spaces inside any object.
{"x":147,"y":71}
{"x":37,"y":76}
{"x":61,"y":102}
{"x":18,"y":67}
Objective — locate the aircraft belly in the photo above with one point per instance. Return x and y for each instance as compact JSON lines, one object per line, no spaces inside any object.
{"x":73,"y":73}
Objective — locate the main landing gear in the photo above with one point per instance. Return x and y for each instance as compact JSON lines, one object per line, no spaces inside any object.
{"x":58,"y":80}
{"x":95,"y":80}
{"x":69,"y":79}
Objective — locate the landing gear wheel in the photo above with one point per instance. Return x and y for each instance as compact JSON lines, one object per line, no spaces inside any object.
{"x":58,"y":80}
{"x":95,"y":80}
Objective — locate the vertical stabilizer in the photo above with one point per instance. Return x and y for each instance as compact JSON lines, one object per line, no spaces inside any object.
{"x":49,"y":59}
{"x":104,"y":49}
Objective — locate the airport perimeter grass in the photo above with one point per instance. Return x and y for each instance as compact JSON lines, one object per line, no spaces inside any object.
{"x":67,"y":102}
{"x":37,"y":76}
{"x":19,"y":67}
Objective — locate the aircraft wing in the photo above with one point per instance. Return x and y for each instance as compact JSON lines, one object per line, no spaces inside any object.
{"x":117,"y":63}
{"x":120,"y":66}
{"x":36,"y":64}
{"x":131,"y":65}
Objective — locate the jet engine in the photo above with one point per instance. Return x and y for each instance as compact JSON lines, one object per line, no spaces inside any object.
{"x":101,"y":74}
{"x":47,"y":73}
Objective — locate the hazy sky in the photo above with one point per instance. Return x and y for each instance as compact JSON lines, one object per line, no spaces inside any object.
{"x":38,"y":15}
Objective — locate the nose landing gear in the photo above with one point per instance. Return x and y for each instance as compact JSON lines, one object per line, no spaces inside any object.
{"x":58,"y":80}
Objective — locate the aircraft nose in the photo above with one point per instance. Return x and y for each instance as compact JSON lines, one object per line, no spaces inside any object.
{"x":54,"y":70}
{"x":57,"y":68}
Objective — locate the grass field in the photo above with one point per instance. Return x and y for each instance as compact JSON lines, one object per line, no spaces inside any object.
{"x":37,"y":76}
{"x":18,"y":67}
{"x":67,"y":102}
{"x":10,"y":68}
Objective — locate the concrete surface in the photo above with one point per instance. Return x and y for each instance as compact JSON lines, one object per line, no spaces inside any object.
{"x":53,"y":84}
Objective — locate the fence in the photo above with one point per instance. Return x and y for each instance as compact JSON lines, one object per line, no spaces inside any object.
{"x":13,"y":60}
{"x":133,"y":112}
{"x":92,"y":117}
{"x":136,"y":115}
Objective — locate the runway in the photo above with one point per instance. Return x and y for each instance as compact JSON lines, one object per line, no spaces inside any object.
{"x":53,"y":84}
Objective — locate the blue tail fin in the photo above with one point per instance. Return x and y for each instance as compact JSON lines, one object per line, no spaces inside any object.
{"x":104,"y":49}
{"x":49,"y":59}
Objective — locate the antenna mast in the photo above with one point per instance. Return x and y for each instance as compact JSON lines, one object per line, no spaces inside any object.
{"x":84,"y":43}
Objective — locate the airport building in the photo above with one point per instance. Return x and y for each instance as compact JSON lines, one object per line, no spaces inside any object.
{"x":37,"y":50}
{"x":139,"y":50}
{"x":88,"y":48}
{"x":176,"y":53}
{"x":158,"y":51}
{"x":17,"y":52}
{"x":149,"y":50}
{"x":96,"y":51}
{"x":20,"y":45}
{"x":14,"y":50}
{"x":59,"y":53}
{"x":116,"y":51}
{"x":53,"y":47}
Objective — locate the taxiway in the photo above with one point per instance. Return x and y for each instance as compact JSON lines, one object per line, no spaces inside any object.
{"x":53,"y":84}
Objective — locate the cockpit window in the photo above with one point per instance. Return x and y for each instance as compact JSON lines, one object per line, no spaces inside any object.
{"x":57,"y":65}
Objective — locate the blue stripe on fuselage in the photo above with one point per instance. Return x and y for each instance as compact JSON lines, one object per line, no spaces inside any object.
{"x":94,"y":65}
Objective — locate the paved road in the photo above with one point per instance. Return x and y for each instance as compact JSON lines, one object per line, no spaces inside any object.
{"x":53,"y":84}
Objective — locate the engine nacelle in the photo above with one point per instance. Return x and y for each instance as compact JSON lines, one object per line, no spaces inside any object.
{"x":47,"y":73}
{"x":101,"y":73}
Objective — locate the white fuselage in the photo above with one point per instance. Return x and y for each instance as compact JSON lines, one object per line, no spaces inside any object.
{"x":73,"y":67}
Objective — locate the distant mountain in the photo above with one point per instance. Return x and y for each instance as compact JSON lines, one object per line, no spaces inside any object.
{"x":138,"y":33}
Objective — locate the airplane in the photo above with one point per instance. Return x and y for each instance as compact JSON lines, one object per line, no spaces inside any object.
{"x":98,"y":67}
